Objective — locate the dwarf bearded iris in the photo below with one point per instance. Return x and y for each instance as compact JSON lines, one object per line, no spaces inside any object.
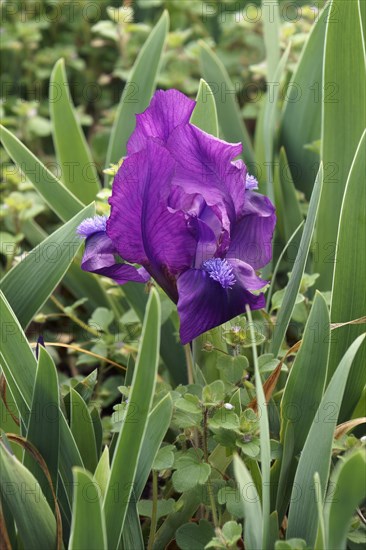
{"x":185,"y":211}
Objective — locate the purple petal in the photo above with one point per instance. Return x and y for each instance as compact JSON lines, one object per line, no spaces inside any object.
{"x":99,"y":258}
{"x":204,"y":166}
{"x":142,"y":227}
{"x":204,"y":222}
{"x":191,"y":204}
{"x":99,"y":252}
{"x":92,"y":225}
{"x":251,"y":182}
{"x":206,"y":241}
{"x":124,"y":273}
{"x":204,"y":304}
{"x":251,"y":238}
{"x":246,"y":276}
{"x":258,"y":204}
{"x":166,"y":111}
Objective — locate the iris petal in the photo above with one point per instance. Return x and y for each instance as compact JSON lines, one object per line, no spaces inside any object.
{"x":166,"y":111}
{"x":204,"y":304}
{"x":89,"y":226}
{"x":141,"y":225}
{"x":251,"y":238}
{"x":246,"y":276}
{"x":204,"y":166}
{"x":205,"y":222}
{"x":99,"y":258}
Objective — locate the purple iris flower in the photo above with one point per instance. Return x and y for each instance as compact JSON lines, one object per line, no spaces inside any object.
{"x":185,"y":211}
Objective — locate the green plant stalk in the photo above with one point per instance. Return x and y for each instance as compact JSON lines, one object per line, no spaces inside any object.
{"x":73,"y":317}
{"x":189,"y":361}
{"x":130,"y":439}
{"x":209,"y":484}
{"x":154,"y":513}
{"x":264,"y":439}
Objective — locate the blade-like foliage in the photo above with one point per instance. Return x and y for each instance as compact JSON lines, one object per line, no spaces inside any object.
{"x":253,"y":519}
{"x":33,"y":516}
{"x":44,"y":421}
{"x":344,"y":114}
{"x":28,"y":285}
{"x":301,"y":120}
{"x":78,"y":171}
{"x":302,"y":396}
{"x":228,"y":112}
{"x":88,"y":526}
{"x":265,"y":446}
{"x":138,"y":90}
{"x":280,"y":408}
{"x":56,"y":195}
{"x":348,"y":294}
{"x":271,"y":29}
{"x":289,"y":214}
{"x":316,"y":453}
{"x":19,"y":367}
{"x":269,"y":126}
{"x":292,"y":289}
{"x":158,"y":423}
{"x":204,"y":114}
{"x":347,"y":490}
{"x":82,"y":429}
{"x":130,"y":440}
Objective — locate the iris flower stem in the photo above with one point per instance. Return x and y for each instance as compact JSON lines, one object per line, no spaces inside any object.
{"x":189,"y":361}
{"x":209,"y":484}
{"x":154,"y":513}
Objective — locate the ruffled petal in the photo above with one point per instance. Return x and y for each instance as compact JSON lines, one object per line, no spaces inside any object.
{"x":250,"y":181}
{"x":204,"y":221}
{"x":92,"y":225}
{"x":258,"y":204}
{"x":251,"y":237}
{"x":204,"y":166}
{"x":142,"y":227}
{"x":124,"y":273}
{"x":166,"y":111}
{"x":204,"y":304}
{"x":246,"y":276}
{"x":99,"y":258}
{"x":206,"y":240}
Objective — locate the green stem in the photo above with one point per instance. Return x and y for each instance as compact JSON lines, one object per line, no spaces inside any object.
{"x":195,"y":350}
{"x":189,"y":361}
{"x":209,"y":484}
{"x":154,"y":513}
{"x":73,"y":317}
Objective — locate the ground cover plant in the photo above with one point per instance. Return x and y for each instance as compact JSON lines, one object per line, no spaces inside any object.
{"x":182,"y":294}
